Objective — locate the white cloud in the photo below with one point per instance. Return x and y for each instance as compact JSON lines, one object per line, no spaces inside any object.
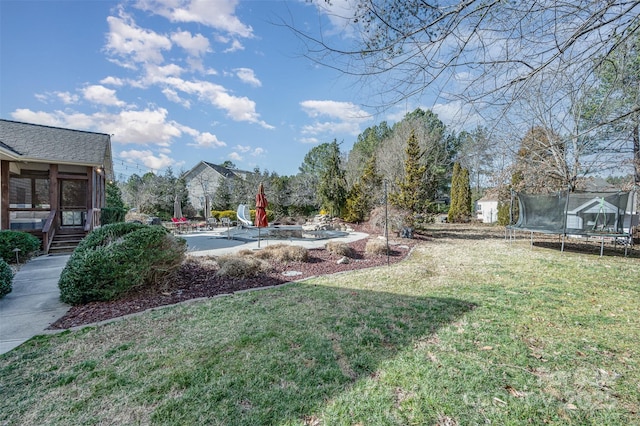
{"x":207,"y":140}
{"x":148,"y":127}
{"x":235,"y":156}
{"x":134,"y":44}
{"x":238,"y":108}
{"x":112,"y":81}
{"x":144,"y":127}
{"x":195,"y":45}
{"x":235,"y":43}
{"x":218,"y":14}
{"x":340,"y":14}
{"x":146,"y":157}
{"x":457,"y":115}
{"x":67,"y":97}
{"x":345,"y":111}
{"x":98,"y":94}
{"x":155,"y":74}
{"x":332,"y":127}
{"x":242,"y":148}
{"x":347,"y":117}
{"x":235,"y":46}
{"x":173,"y":96}
{"x":258,"y":152}
{"x":38,"y":117}
{"x":248,"y":76}
{"x":309,"y":140}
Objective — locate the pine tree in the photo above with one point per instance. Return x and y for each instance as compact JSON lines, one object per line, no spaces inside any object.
{"x":411,"y":195}
{"x":363,"y":195}
{"x":454,"y":206}
{"x":332,"y":186}
{"x":460,"y":208}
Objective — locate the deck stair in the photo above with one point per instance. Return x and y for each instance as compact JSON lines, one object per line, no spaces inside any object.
{"x":66,"y":240}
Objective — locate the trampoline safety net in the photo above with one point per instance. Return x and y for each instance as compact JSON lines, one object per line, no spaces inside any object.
{"x":578,"y":213}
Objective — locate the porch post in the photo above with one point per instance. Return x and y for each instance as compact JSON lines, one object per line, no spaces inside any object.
{"x":54,"y":194}
{"x":4,"y":194}
{"x":90,"y":186}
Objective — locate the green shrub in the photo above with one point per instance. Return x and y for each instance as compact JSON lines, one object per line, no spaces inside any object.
{"x":219,"y":214}
{"x":9,"y":240}
{"x":6,"y":278}
{"x":114,"y":259}
{"x":112,"y":215}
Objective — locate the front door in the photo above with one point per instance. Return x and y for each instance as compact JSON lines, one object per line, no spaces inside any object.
{"x":73,"y":202}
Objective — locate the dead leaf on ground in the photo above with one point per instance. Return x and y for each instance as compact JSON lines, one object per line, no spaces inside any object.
{"x":514,"y":392}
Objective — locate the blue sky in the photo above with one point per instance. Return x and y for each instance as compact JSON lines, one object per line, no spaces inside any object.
{"x":179,"y":81}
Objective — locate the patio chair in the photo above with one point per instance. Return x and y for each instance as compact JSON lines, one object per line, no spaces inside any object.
{"x":212,"y":222}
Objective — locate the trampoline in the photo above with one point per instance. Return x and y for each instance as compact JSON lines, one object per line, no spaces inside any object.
{"x":606,"y":216}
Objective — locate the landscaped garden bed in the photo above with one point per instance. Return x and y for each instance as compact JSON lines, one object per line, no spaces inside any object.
{"x":197,"y":278}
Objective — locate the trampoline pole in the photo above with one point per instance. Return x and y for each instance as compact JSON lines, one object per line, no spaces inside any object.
{"x":531,"y":246}
{"x":564,"y":218}
{"x":602,"y":247}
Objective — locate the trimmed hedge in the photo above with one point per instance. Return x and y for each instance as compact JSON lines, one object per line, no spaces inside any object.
{"x":9,"y":240}
{"x":6,"y":278}
{"x":117,"y":258}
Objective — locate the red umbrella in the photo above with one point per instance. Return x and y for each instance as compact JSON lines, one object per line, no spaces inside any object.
{"x":261,"y":205}
{"x":261,"y":213}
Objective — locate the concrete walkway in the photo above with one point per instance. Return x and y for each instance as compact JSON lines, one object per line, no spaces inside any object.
{"x":34,"y":303}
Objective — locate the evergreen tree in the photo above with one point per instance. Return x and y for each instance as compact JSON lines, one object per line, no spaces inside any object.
{"x":467,"y":198}
{"x":454,"y":203}
{"x":460,"y":208}
{"x":114,"y":210}
{"x":363,"y":195}
{"x":332,"y":186}
{"x":222,"y":197}
{"x":411,"y":195}
{"x":113,"y":196}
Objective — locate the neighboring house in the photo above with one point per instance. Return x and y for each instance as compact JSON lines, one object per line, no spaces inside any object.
{"x":204,"y":179}
{"x":52,"y":179}
{"x":487,"y":209}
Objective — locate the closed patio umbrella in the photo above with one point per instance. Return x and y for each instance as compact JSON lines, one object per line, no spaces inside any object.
{"x":177,"y":208}
{"x":261,"y":213}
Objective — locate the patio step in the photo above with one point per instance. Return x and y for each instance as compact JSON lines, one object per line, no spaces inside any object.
{"x":65,"y":241}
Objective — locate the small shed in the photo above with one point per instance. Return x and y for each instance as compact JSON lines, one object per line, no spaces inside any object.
{"x":487,"y":209}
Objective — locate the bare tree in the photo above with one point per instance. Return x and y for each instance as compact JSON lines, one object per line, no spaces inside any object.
{"x":485,"y":53}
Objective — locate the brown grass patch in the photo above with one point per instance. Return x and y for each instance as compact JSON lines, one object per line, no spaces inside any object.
{"x":339,"y":248}
{"x":238,"y":266}
{"x":376,"y":246}
{"x":283,"y":253}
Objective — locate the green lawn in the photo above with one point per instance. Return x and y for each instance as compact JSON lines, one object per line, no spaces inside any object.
{"x":466,"y":331}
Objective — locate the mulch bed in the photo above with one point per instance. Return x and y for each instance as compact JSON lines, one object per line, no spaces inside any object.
{"x":196,"y":279}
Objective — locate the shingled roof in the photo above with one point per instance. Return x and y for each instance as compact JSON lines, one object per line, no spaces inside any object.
{"x":221,"y":169}
{"x":34,"y":142}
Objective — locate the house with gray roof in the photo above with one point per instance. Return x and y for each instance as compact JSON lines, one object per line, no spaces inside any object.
{"x":52,"y":180}
{"x":204,"y":179}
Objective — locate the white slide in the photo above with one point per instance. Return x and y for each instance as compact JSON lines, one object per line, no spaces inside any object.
{"x":244,"y":216}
